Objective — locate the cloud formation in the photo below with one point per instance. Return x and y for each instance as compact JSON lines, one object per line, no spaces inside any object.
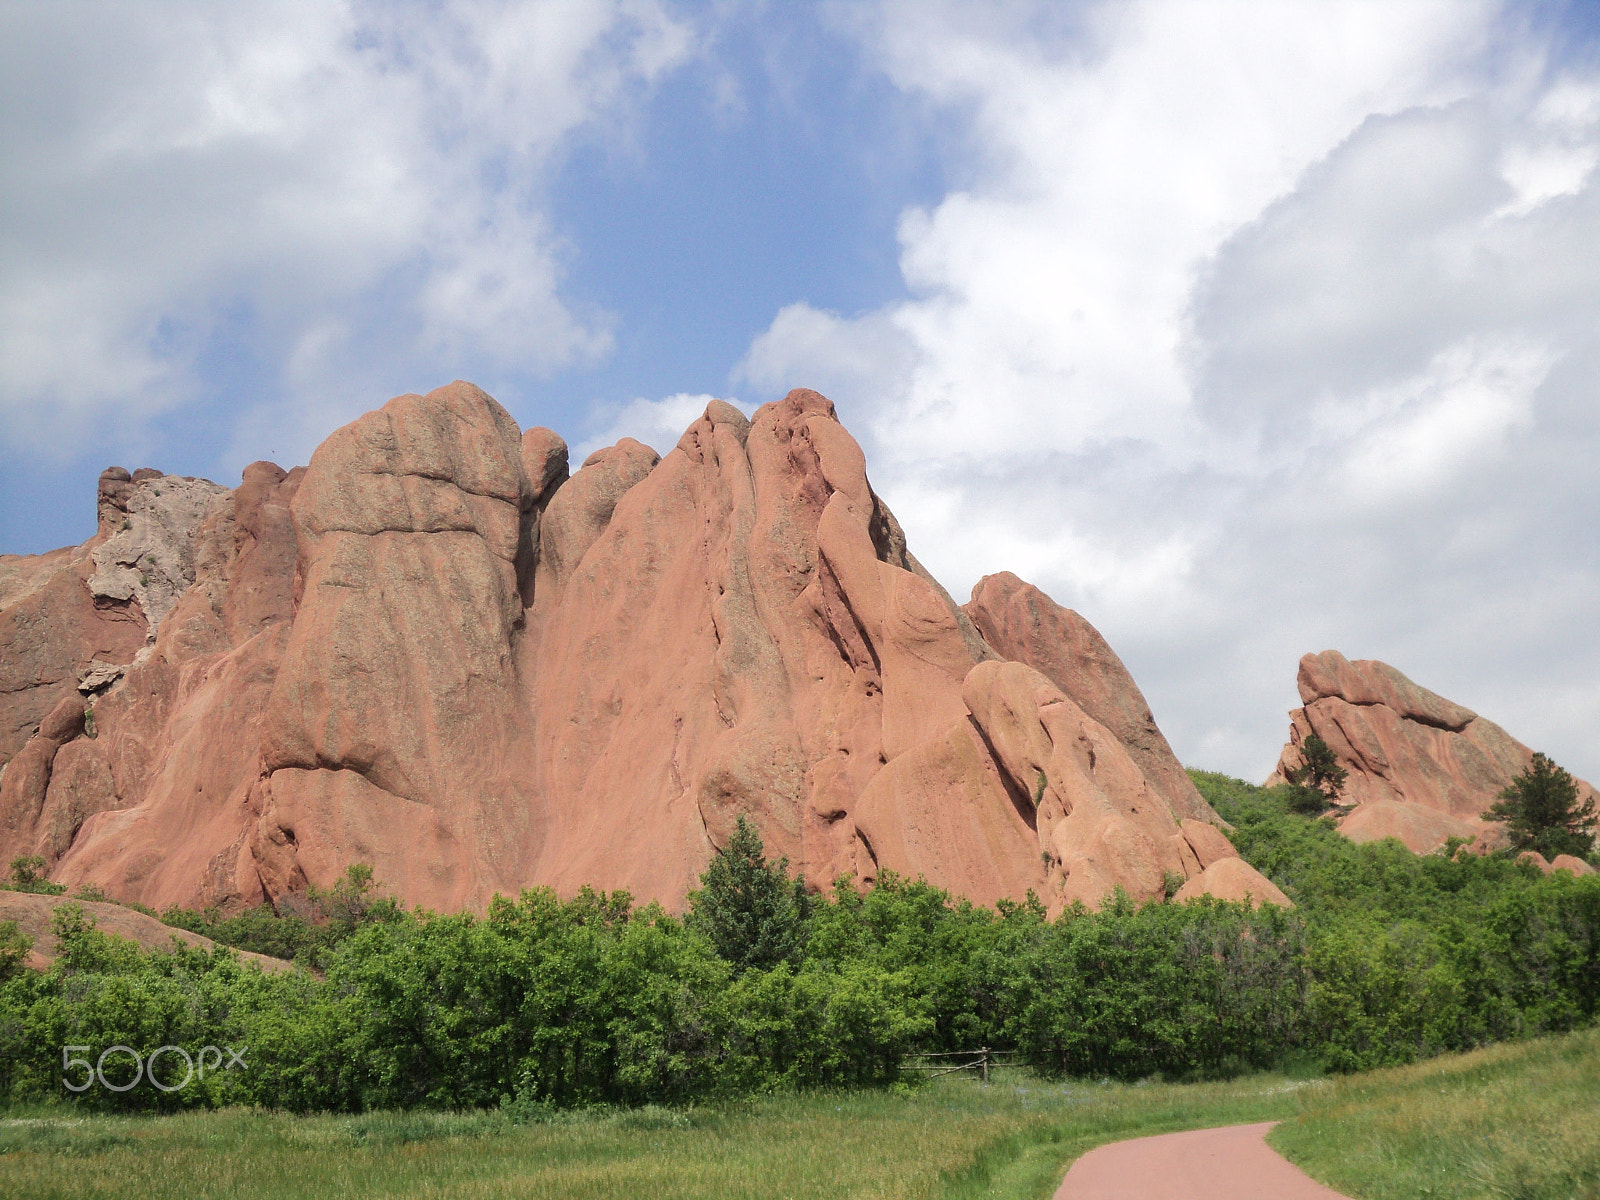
{"x":1254,"y":330}
{"x":301,"y":189}
{"x":1247,"y":329}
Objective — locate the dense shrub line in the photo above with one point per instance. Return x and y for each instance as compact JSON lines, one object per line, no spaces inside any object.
{"x":544,"y":1003}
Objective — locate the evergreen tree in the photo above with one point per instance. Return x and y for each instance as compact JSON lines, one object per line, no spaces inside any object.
{"x":1541,"y":811}
{"x":1319,"y":780}
{"x":754,"y":915}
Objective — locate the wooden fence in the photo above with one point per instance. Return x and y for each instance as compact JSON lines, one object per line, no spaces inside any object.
{"x":950,"y":1061}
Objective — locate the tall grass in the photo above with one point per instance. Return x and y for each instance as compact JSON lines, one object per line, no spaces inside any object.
{"x":1512,"y":1122}
{"x":1518,"y":1121}
{"x":950,"y":1138}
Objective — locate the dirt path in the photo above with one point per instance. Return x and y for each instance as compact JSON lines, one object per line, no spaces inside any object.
{"x":1231,"y":1163}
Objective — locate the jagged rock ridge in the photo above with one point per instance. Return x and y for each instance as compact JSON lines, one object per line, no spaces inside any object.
{"x":436,"y":651}
{"x":1421,"y":768}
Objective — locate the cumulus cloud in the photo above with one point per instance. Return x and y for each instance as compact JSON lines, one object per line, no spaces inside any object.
{"x":1251,"y":330}
{"x":306,"y":188}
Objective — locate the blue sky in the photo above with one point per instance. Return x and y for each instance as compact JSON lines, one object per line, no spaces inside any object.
{"x":1247,"y":329}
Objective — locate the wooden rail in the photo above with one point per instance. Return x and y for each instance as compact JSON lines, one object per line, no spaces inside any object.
{"x":979,"y":1060}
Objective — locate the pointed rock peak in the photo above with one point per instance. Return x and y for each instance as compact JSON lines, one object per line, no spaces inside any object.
{"x":116,"y":485}
{"x":1025,"y":625}
{"x":1368,"y":681}
{"x":579,"y":511}
{"x":804,"y":400}
{"x":627,"y":458}
{"x":699,"y":436}
{"x":147,"y":554}
{"x":263,"y":472}
{"x":720,"y":412}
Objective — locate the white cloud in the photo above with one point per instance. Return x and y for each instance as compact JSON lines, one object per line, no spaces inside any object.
{"x":870,"y":356}
{"x":1441,"y":424}
{"x":330,"y":184}
{"x":1556,"y":153}
{"x":1251,"y":330}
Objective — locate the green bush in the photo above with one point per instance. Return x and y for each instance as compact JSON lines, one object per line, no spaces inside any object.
{"x":753,"y":914}
{"x":545,"y":1004}
{"x":27,"y":875}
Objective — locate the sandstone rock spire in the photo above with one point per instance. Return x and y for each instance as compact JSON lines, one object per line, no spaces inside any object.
{"x":439,"y":651}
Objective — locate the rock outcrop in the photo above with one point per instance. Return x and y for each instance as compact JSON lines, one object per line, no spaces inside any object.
{"x":1570,"y":863}
{"x":1421,"y":768}
{"x":152,"y":801}
{"x":437,"y":651}
{"x":35,"y":917}
{"x":1025,"y":625}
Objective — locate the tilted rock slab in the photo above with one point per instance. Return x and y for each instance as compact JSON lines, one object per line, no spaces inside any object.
{"x":1421,"y":768}
{"x":439,"y":651}
{"x":1025,"y":625}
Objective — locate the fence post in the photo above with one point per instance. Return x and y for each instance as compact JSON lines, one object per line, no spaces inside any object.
{"x":985,"y":1062}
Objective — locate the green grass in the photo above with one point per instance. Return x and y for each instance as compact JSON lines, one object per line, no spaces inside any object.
{"x":1518,"y":1121}
{"x":1513,"y":1121}
{"x":950,"y":1138}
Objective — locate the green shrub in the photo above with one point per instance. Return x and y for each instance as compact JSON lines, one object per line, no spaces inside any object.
{"x":27,"y":875}
{"x":544,"y":1004}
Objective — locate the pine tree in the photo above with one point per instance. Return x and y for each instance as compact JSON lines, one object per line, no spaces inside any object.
{"x":1319,"y":780}
{"x":1541,"y":812}
{"x":754,"y":915}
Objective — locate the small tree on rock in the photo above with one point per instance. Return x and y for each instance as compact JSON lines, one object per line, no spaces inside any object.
{"x":28,"y":875}
{"x":1541,"y":812}
{"x":353,"y":901}
{"x":754,"y":915}
{"x":1317,"y":783}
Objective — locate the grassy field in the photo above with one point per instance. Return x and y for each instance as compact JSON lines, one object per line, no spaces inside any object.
{"x":950,"y":1138}
{"x":1513,"y":1122}
{"x":1516,"y":1122}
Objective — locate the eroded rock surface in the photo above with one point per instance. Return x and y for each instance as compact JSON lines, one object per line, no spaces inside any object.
{"x":151,"y":800}
{"x":150,"y":556}
{"x":1421,"y":768}
{"x":440,"y":651}
{"x":1025,"y":625}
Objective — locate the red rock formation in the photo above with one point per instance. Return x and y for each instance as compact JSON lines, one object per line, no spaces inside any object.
{"x":1561,"y":862}
{"x":1025,"y":625}
{"x":436,"y":653}
{"x":1232,"y":878}
{"x":1421,"y":769}
{"x":53,"y":629}
{"x":156,"y":806}
{"x":1570,"y":862}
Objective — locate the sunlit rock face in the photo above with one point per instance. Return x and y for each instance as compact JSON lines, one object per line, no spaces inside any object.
{"x":1420,"y":768}
{"x":438,"y":650}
